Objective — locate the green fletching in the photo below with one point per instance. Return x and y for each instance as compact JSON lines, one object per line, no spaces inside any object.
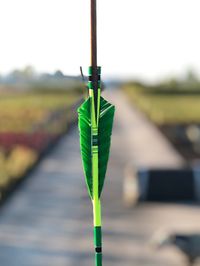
{"x":84,"y":123}
{"x":106,"y":116}
{"x":105,"y":130}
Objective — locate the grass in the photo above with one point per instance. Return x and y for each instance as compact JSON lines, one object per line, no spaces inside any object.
{"x":18,"y":112}
{"x":15,"y":165}
{"x":165,"y":108}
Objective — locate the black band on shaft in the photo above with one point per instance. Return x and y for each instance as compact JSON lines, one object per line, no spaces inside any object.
{"x":98,"y":250}
{"x":90,"y":78}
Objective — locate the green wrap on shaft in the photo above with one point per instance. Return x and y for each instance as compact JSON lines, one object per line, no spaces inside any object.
{"x":98,"y":259}
{"x":98,"y":245}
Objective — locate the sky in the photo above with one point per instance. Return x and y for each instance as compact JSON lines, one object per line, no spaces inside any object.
{"x":146,"y":39}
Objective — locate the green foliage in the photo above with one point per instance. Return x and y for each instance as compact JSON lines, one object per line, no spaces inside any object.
{"x":104,"y":139}
{"x":19,"y":111}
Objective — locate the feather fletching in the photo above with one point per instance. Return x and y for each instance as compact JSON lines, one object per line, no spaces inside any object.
{"x":106,"y":116}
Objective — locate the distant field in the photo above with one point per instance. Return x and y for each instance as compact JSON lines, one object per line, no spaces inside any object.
{"x":29,"y":123}
{"x":19,"y":112}
{"x":165,"y":108}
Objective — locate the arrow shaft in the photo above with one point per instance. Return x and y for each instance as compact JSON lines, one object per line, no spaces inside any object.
{"x":95,"y":92}
{"x":95,"y":126}
{"x":95,"y":171}
{"x":93,"y":33}
{"x":98,"y":245}
{"x":94,"y":67}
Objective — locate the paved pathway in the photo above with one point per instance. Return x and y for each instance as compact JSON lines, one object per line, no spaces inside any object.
{"x":48,"y":221}
{"x":150,"y":149}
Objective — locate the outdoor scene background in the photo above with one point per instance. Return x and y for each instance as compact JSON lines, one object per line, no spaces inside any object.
{"x":149,"y":53}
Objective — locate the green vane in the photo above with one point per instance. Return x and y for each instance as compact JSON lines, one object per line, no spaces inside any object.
{"x":95,"y":126}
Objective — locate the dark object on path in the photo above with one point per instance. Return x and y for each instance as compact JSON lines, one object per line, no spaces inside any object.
{"x":161,"y":185}
{"x":170,"y":185}
{"x":189,"y":244}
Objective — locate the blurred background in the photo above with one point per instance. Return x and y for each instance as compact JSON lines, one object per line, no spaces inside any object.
{"x":149,"y":53}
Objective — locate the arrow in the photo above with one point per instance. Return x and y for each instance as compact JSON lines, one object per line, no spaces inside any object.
{"x":95,"y":126}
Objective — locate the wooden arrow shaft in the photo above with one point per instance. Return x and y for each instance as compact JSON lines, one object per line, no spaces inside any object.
{"x":94,"y":49}
{"x":93,"y":34}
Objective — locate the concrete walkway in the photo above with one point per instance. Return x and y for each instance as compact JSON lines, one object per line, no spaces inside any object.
{"x":149,"y":148}
{"x":48,"y":221}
